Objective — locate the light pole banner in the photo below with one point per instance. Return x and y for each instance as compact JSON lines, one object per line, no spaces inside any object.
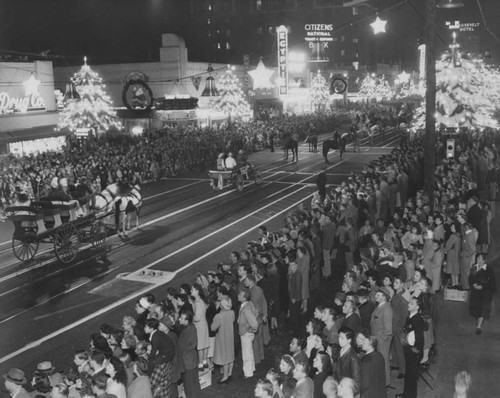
{"x":282,"y":35}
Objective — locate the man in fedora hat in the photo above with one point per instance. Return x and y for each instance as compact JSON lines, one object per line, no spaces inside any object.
{"x":54,"y":376}
{"x":14,"y":381}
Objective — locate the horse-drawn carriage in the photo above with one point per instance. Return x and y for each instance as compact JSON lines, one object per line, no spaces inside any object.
{"x":55,"y":223}
{"x":237,"y":178}
{"x":59,"y":224}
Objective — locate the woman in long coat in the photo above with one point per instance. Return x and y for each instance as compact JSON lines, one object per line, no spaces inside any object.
{"x":482,"y":283}
{"x":452,"y":251}
{"x":224,"y":339}
{"x":200,"y":322}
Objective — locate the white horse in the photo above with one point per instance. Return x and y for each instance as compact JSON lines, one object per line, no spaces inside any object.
{"x":104,"y":200}
{"x":127,"y":204}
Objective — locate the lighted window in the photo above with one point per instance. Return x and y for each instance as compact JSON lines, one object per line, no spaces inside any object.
{"x":342,"y":38}
{"x":218,"y":46}
{"x":356,"y":55}
{"x":209,"y":7}
{"x":209,"y":33}
{"x":270,"y":30}
{"x":342,"y":53}
{"x":258,"y":5}
{"x":218,"y":31}
{"x":355,"y":40}
{"x":259,"y":30}
{"x":228,"y":45}
{"x":209,"y":21}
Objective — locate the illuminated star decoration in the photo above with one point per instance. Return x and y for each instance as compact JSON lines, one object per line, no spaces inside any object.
{"x":378,"y":26}
{"x":31,"y":85}
{"x":403,"y":77}
{"x":261,"y":76}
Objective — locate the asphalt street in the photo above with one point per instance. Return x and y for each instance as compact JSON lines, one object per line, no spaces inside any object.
{"x":48,"y":310}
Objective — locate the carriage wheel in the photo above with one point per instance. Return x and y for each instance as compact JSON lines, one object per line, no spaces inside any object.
{"x":239,"y":183}
{"x":66,"y":242}
{"x":257,"y":176}
{"x":24,"y":250}
{"x":98,"y":234}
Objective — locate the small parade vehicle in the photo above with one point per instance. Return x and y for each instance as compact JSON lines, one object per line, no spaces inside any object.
{"x":55,"y":223}
{"x":237,"y":178}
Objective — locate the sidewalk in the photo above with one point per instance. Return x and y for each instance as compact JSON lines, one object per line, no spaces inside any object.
{"x":459,"y":348}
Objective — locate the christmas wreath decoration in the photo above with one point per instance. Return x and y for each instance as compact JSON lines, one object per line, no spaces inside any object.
{"x":338,"y":86}
{"x":137,"y":95}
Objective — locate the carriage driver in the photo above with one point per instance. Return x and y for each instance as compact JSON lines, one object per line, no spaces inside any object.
{"x":242,"y":158}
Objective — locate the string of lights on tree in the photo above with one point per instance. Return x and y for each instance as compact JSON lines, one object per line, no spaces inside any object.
{"x":375,"y":88}
{"x":92,"y":109}
{"x":467,"y":92}
{"x":319,"y":93}
{"x":231,"y":101}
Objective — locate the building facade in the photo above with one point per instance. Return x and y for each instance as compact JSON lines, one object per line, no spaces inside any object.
{"x":227,"y":30}
{"x":28,"y":108}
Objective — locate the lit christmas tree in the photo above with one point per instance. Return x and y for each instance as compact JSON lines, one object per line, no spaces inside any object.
{"x":319,"y":93}
{"x":231,"y":100}
{"x":468,"y":93}
{"x":383,"y":89}
{"x":93,"y":110}
{"x":454,"y":99}
{"x":405,"y":86}
{"x":368,"y":87}
{"x":484,"y":83}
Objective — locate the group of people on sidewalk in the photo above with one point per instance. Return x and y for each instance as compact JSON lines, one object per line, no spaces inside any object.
{"x":349,"y":279}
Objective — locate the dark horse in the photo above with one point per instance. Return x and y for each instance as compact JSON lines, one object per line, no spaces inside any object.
{"x":312,"y":140}
{"x":290,"y":143}
{"x":330,"y":144}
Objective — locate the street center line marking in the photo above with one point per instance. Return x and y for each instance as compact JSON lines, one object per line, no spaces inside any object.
{"x":138,"y":293}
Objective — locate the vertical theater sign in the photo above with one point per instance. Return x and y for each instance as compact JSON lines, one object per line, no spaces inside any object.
{"x":31,"y":101}
{"x":282,"y":34}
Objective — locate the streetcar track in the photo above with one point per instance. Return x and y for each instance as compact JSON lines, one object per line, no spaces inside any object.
{"x":301,"y":184}
{"x":143,"y":290}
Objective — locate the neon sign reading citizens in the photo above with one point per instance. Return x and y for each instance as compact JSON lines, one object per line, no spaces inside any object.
{"x":318,"y":32}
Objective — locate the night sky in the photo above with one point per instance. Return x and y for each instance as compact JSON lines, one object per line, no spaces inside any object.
{"x":105,"y":30}
{"x":113,"y":31}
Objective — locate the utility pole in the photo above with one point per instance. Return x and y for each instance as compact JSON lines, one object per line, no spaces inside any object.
{"x":430,"y":97}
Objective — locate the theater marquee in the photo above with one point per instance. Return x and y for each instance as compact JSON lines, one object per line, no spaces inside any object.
{"x":282,"y":34}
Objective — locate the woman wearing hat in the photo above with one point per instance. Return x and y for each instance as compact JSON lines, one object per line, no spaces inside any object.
{"x":14,"y":381}
{"x":223,"y":325}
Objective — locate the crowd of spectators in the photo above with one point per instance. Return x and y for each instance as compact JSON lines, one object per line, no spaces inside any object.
{"x":378,"y":242}
{"x":164,"y":153}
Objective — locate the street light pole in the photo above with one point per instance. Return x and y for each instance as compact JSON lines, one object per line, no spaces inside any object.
{"x":430,"y":98}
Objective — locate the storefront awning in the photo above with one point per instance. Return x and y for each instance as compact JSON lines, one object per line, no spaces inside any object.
{"x":32,"y":133}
